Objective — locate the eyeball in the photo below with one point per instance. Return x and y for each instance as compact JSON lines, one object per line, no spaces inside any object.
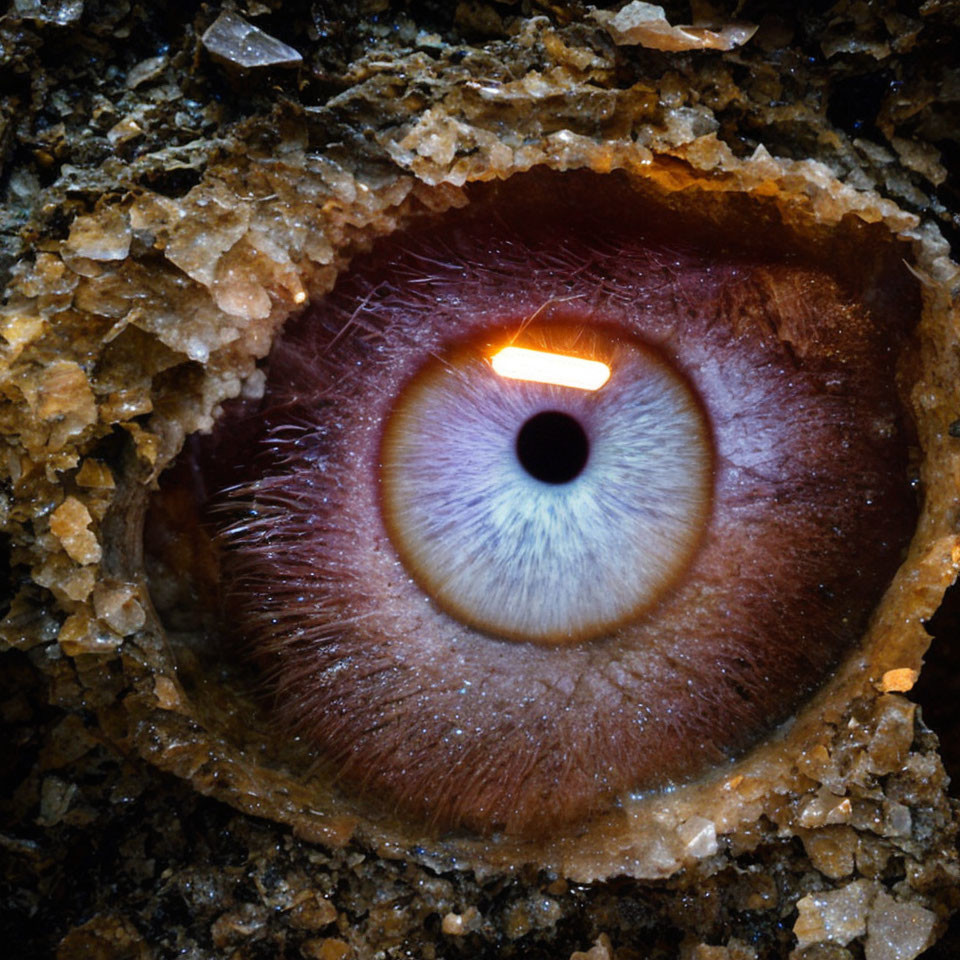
{"x":470,"y":631}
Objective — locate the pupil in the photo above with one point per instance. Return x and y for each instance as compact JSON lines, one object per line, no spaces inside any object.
{"x":552,"y":447}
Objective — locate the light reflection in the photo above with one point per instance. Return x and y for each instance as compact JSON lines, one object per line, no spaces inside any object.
{"x":519,"y":363}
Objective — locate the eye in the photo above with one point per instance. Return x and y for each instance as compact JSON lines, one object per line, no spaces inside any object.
{"x":204,"y":214}
{"x":461,"y":638}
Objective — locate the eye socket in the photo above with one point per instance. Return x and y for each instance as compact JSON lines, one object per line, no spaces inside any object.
{"x":402,"y":703}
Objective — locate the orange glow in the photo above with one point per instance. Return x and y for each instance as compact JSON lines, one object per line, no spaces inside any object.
{"x":518,"y":363}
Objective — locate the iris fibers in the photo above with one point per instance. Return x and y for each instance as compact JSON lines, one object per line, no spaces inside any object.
{"x":544,"y":512}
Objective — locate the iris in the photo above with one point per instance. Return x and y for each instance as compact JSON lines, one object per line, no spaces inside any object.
{"x":544,"y":512}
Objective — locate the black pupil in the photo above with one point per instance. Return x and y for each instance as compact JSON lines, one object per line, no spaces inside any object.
{"x":552,"y":447}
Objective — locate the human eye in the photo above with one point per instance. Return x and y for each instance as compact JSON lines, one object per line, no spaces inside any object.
{"x":765,"y":480}
{"x":458,"y":734}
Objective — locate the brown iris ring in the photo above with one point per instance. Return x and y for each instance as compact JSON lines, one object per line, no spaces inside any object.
{"x":546,"y":511}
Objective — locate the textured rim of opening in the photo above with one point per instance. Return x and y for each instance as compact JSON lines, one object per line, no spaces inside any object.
{"x":647,"y":836}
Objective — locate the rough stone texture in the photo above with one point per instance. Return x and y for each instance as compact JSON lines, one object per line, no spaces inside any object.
{"x":163,"y":216}
{"x":237,"y":43}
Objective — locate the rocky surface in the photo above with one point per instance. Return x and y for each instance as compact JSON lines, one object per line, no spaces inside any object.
{"x":173,"y":190}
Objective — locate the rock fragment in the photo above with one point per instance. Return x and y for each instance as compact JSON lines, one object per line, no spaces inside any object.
{"x":235,"y":42}
{"x":646,"y":25}
{"x":70,"y":524}
{"x":897,"y":931}
{"x":58,"y":12}
{"x":834,"y":916}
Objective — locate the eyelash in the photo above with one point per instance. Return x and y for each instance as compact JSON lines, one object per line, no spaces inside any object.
{"x":418,"y":269}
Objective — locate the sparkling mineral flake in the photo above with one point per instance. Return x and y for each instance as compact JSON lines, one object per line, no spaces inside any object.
{"x":520,"y":363}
